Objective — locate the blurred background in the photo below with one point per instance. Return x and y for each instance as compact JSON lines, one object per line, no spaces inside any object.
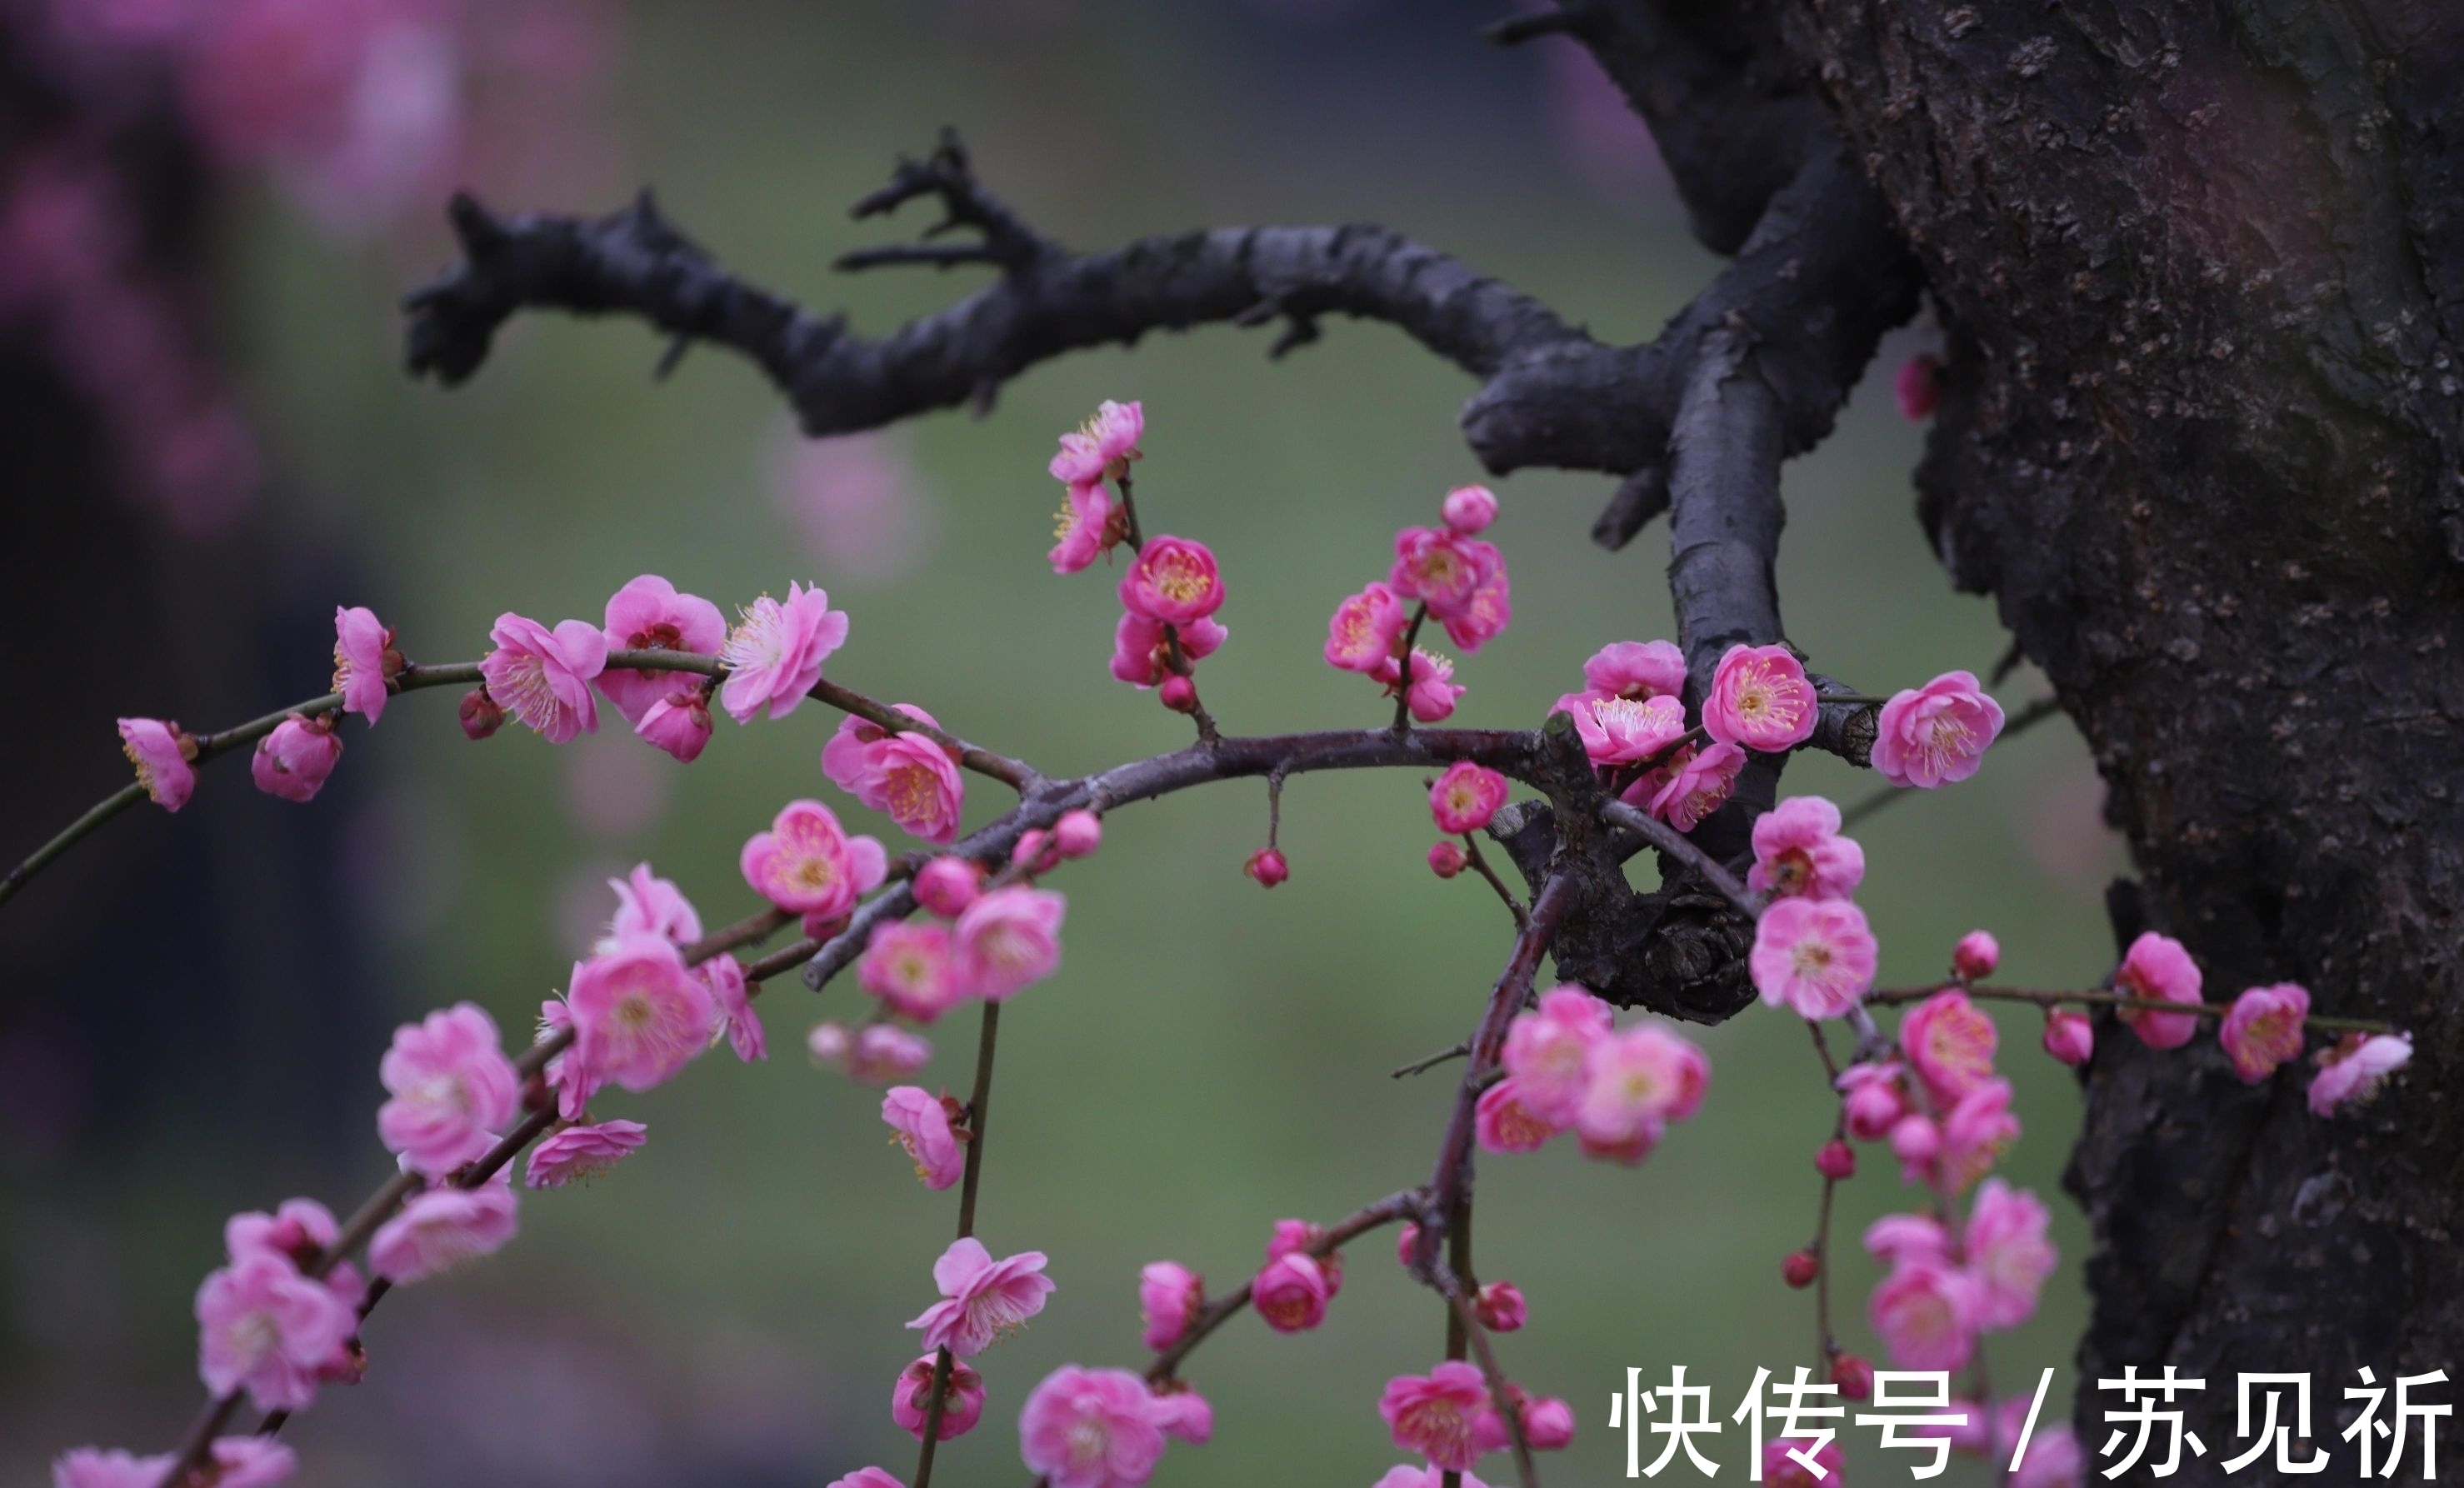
{"x":208,"y":210}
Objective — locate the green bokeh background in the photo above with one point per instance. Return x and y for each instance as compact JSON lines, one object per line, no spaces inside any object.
{"x":1210,"y":1057}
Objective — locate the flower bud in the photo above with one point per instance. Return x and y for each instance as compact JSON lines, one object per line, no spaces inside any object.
{"x":1976,"y":956}
{"x":481,"y":715}
{"x":1267,"y":866}
{"x":1854,"y":1376}
{"x":1078,"y":833}
{"x":1836,"y":1160}
{"x":1800,"y":1268}
{"x":1179,"y":694}
{"x":2069,"y":1036}
{"x":1445,"y":858}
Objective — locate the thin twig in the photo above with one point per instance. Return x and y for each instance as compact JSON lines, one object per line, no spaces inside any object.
{"x":979,"y":1102}
{"x":1678,"y":845}
{"x":1403,"y":688}
{"x":1385,"y":1211}
{"x":1514,"y":905}
{"x":1431,"y":1062}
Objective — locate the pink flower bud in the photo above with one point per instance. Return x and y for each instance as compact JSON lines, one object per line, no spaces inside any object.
{"x":1836,"y":1160}
{"x":677,"y":723}
{"x":1408,"y":1237}
{"x":1267,"y":866}
{"x":1469,"y":508}
{"x":1179,"y":693}
{"x":1078,"y":833}
{"x":962,"y":1398}
{"x":295,"y":759}
{"x":1915,"y":1139}
{"x":1854,"y":1376}
{"x":947,"y":885}
{"x":2069,"y":1036}
{"x":1871,"y":1100}
{"x":1500,"y":1307}
{"x":1918,"y":387}
{"x":481,"y":715}
{"x":1548,"y":1425}
{"x":1800,"y":1268}
{"x":1976,"y":956}
{"x":1445,"y":858}
{"x":1034,"y":850}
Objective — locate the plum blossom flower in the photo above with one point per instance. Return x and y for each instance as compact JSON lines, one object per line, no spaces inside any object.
{"x":2157,"y":969}
{"x":1637,"y":1082}
{"x":913,"y":969}
{"x":962,"y":1397}
{"x":1009,"y":938}
{"x":95,"y":1467}
{"x":1636,"y":669}
{"x":947,"y":885}
{"x":920,"y":1123}
{"x":364,"y":661}
{"x":1181,"y":1411}
{"x":453,"y":1090}
{"x":1468,"y":509}
{"x":236,"y":1463}
{"x":1760,"y":699}
{"x":1622,"y":731}
{"x":1170,"y":1298}
{"x":443,"y":1228}
{"x":266,"y":1328}
{"x":2353,"y":1070}
{"x":884,"y":1051}
{"x":649,"y":905}
{"x":909,"y":775}
{"x":2009,"y":1255}
{"x":162,"y":753}
{"x":1090,"y":1428}
{"x":775,"y":651}
{"x":1799,"y":851}
{"x":1174,"y":582}
{"x":807,"y":863}
{"x":1290,"y":1292}
{"x":2263,"y":1030}
{"x":678,"y":724}
{"x":1444,"y":1416}
{"x":1103,"y":447}
{"x":1547,"y":1051}
{"x":1907,"y":1239}
{"x":1917,"y":386}
{"x":982,"y":1300}
{"x":1950,"y":1043}
{"x":1466,"y":797}
{"x":2069,"y":1036}
{"x":1976,"y":956}
{"x":1433,"y":691}
{"x":1976,"y":1131}
{"x":867,"y":1477}
{"x":1367,"y":628}
{"x":1503,"y":1123}
{"x":1461,"y":580}
{"x":542,"y":676}
{"x":732,"y":995}
{"x":650,"y":615}
{"x":638,"y":1014}
{"x":1142,"y":652}
{"x":1926,"y":1315}
{"x":1816,"y":957}
{"x":1872,"y":1100}
{"x":1936,"y":735}
{"x":1294,"y":1237}
{"x":294,"y":760}
{"x":1694,"y":784}
{"x":578,"y":1153}
{"x":1084,"y":529}
{"x":298,"y":1230}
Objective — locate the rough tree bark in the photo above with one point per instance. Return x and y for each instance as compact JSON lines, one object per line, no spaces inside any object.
{"x":2201,"y":274}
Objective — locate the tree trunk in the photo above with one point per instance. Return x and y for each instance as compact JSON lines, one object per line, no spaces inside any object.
{"x":2202,"y":275}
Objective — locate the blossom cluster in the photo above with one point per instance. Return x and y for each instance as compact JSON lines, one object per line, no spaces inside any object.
{"x":1449,"y":574}
{"x":1568,"y":1067}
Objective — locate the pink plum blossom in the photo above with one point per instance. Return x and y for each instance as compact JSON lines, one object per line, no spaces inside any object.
{"x":579,"y":1153}
{"x":542,"y":676}
{"x":1637,"y":1082}
{"x":1926,"y":1315}
{"x":2353,"y":1070}
{"x":364,"y":661}
{"x":807,"y":865}
{"x":649,"y":905}
{"x":162,"y":754}
{"x":1977,"y":1132}
{"x":1090,"y":1428}
{"x":638,"y":1014}
{"x":1461,"y":580}
{"x":1294,"y":1237}
{"x":1084,"y":529}
{"x":1103,"y":447}
{"x":1815,"y":957}
{"x":1469,"y":510}
{"x":1917,"y":386}
{"x":775,"y":651}
{"x":1547,"y":1051}
{"x":909,"y":775}
{"x":1760,"y":699}
{"x":913,"y":969}
{"x":946,"y":886}
{"x":1466,"y":797}
{"x":1976,"y":956}
{"x":1636,"y":669}
{"x":875,"y":1055}
{"x":1624,"y":731}
{"x":1367,"y":628}
{"x":443,"y":1228}
{"x":982,"y":1300}
{"x":264,"y":1328}
{"x":1009,"y":938}
{"x":678,"y":724}
{"x":2009,"y":1254}
{"x":1872,"y":1100}
{"x":1174,"y":582}
{"x":1697,"y":782}
{"x":1907,"y":1239}
{"x":298,"y":1230}
{"x":1183,"y":1413}
{"x":1440,"y":1415}
{"x":962,"y":1397}
{"x":867,"y":1477}
{"x":2069,"y":1036}
{"x":1290,"y":1292}
{"x":294,"y":760}
{"x":1799,"y":851}
{"x":1916,"y":1139}
{"x":1936,"y":735}
{"x":732,"y":996}
{"x":1500,"y":1307}
{"x":1142,"y":652}
{"x":2157,"y":969}
{"x":1503,"y":1123}
{"x":95,"y":1467}
{"x":1433,"y":692}
{"x":2264,"y":1029}
{"x":650,"y":615}
{"x":920,"y":1122}
{"x":453,"y":1090}
{"x":1948,"y":1042}
{"x":1170,"y":1298}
